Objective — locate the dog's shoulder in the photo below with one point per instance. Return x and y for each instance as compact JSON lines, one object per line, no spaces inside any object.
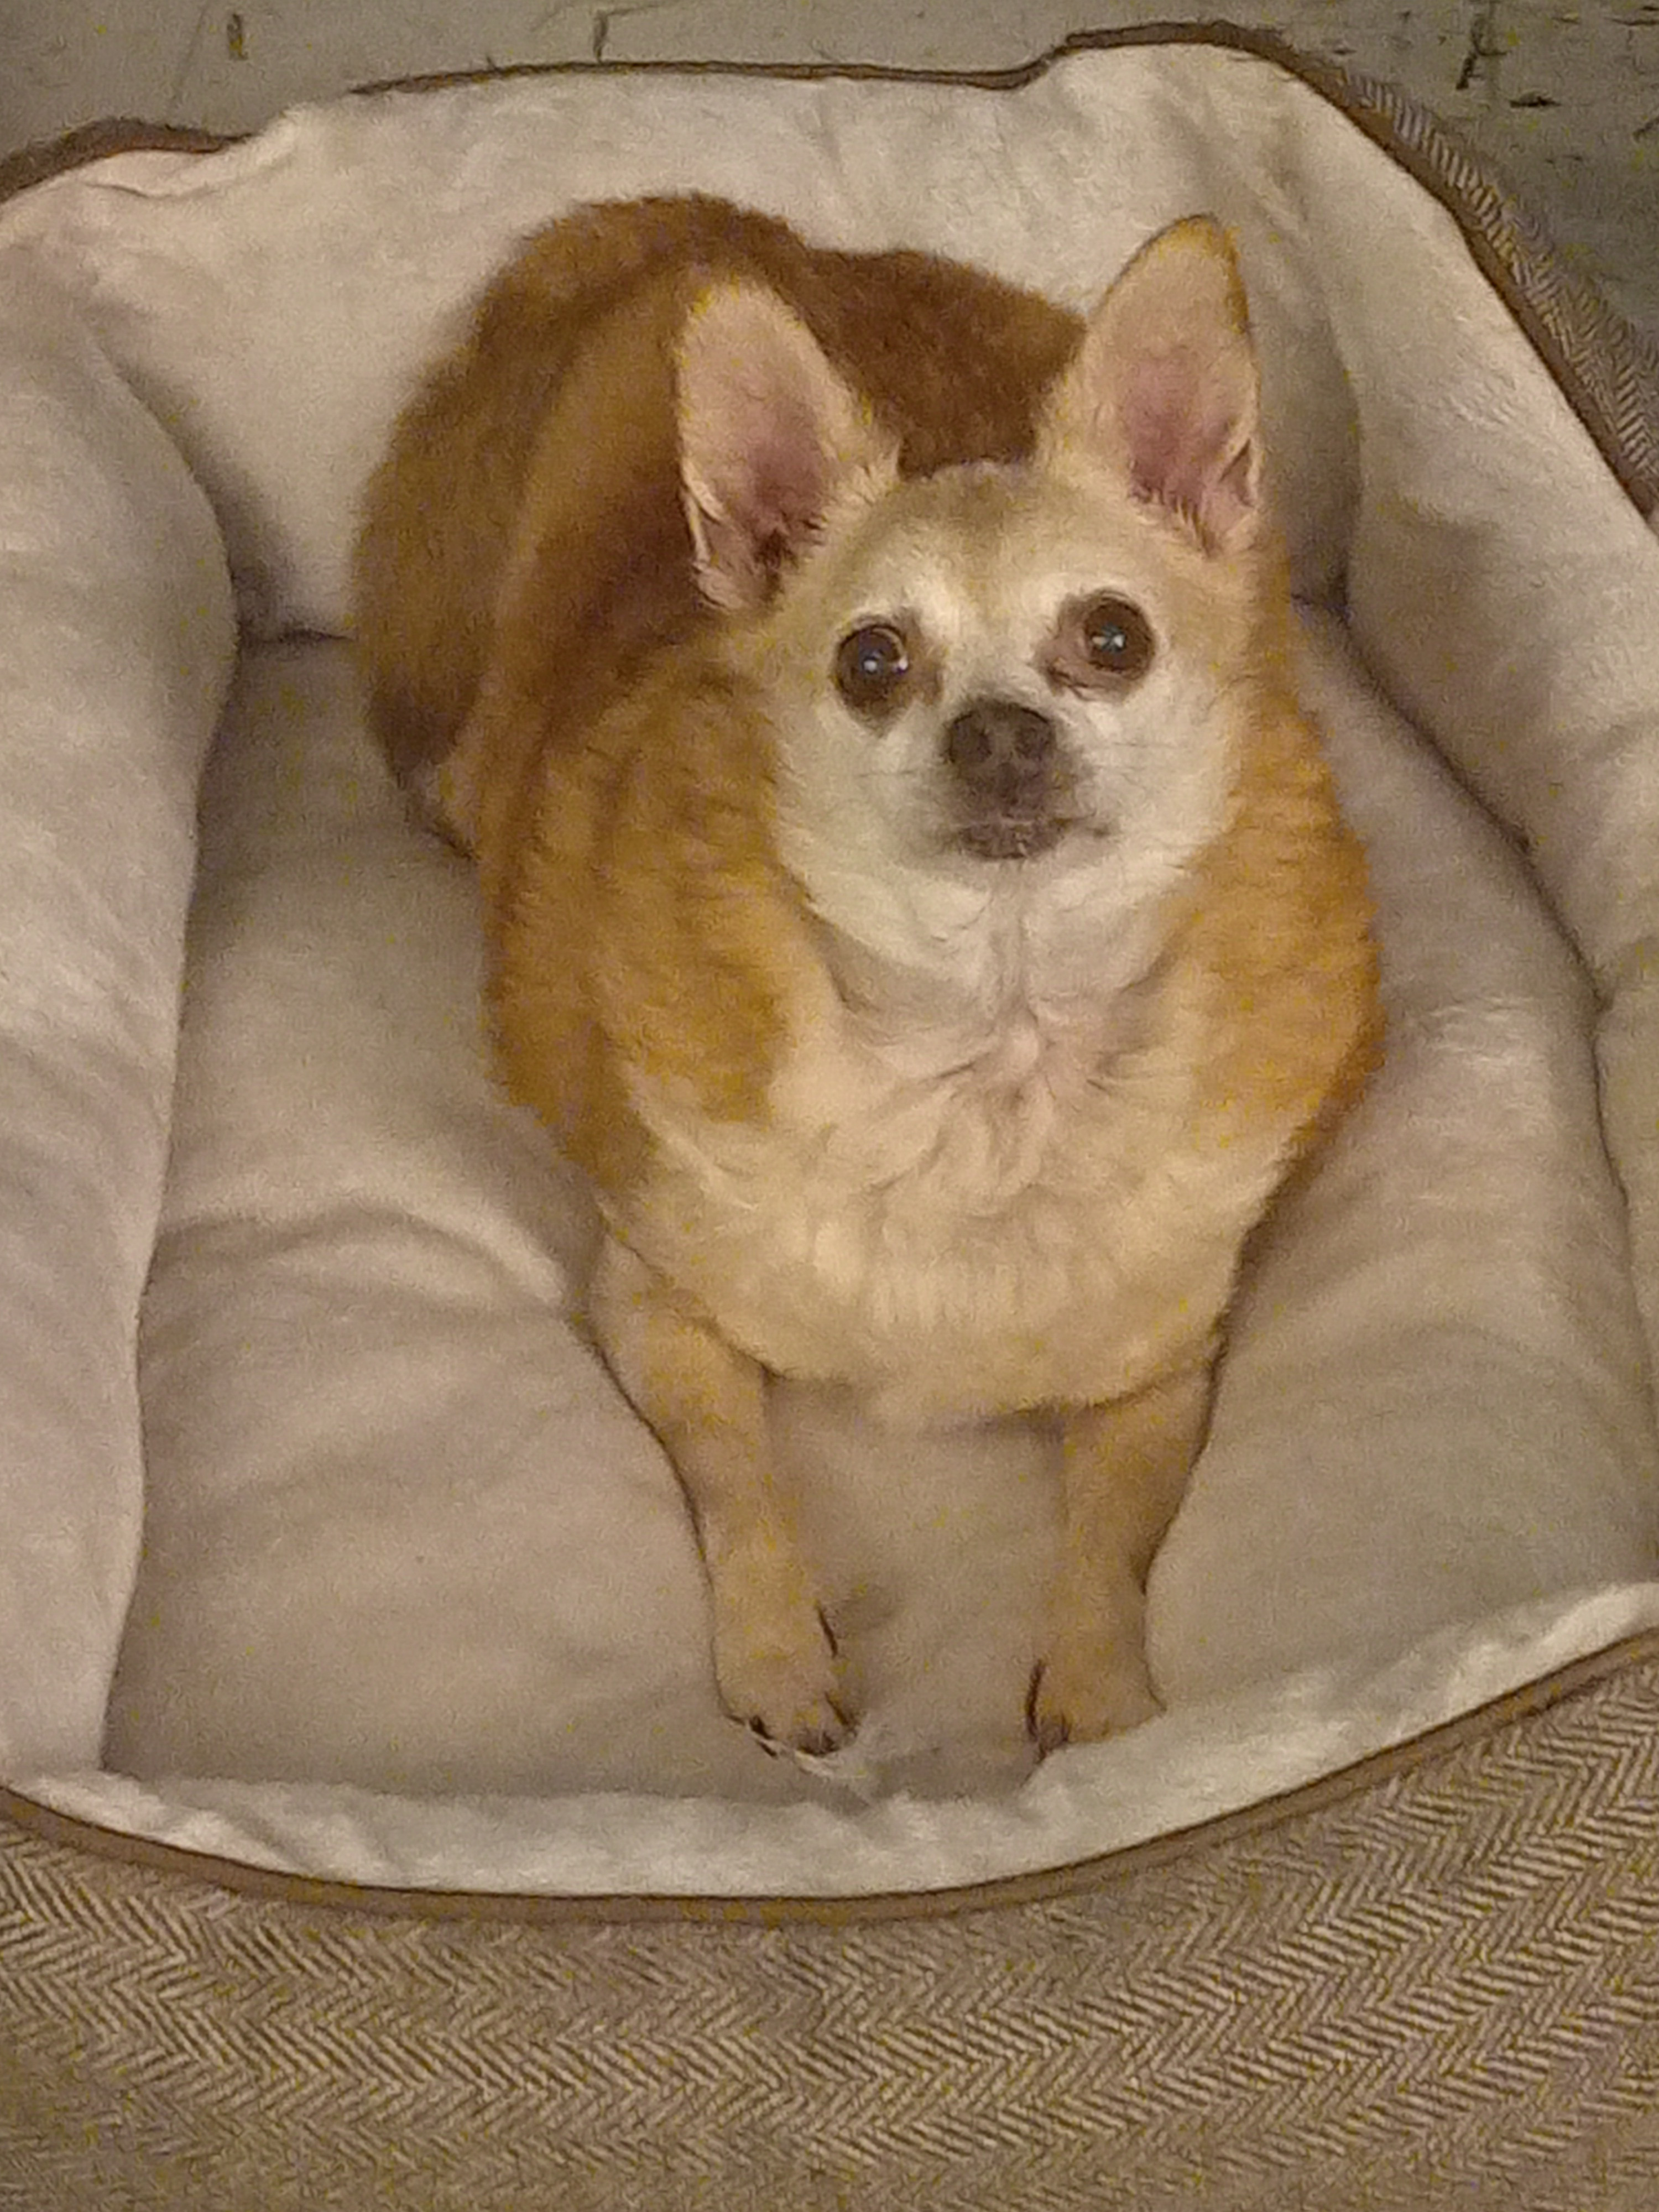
{"x":649,"y":944}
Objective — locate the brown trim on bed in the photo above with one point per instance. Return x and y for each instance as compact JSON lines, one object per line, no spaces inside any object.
{"x":47,"y":158}
{"x":1417,"y":1757}
{"x":1266,"y":45}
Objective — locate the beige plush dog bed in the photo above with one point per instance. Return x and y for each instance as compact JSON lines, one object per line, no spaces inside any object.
{"x":373,"y":1834}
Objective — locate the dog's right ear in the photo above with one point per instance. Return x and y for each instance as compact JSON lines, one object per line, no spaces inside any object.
{"x":1163,"y":386}
{"x":769,"y":436}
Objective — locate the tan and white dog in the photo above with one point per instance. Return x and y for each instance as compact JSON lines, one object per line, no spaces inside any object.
{"x":912,"y":889}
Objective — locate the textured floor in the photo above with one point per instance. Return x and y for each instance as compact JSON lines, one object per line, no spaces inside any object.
{"x":1567,"y":97}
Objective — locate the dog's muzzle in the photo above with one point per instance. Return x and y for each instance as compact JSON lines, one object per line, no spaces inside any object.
{"x":1010,"y":782}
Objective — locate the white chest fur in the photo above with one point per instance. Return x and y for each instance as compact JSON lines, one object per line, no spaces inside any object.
{"x":965,"y":1217}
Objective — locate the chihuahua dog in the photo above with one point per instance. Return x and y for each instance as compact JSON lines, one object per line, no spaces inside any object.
{"x":913,"y":890}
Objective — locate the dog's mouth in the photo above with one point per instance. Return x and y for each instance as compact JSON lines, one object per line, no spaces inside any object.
{"x":1012,"y":836}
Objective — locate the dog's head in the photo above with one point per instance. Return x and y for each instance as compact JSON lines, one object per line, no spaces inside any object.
{"x":999,"y":681}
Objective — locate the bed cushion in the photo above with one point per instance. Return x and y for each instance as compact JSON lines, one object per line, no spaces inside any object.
{"x":115,"y":651}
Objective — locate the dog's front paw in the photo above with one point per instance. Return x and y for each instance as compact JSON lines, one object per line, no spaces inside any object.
{"x":1087,"y":1687}
{"x":776,"y":1660}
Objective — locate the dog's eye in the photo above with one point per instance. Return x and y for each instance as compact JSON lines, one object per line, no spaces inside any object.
{"x":1116,"y":636}
{"x":871,"y":664}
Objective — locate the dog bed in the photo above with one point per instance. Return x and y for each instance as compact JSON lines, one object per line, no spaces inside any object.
{"x":371,"y":1833}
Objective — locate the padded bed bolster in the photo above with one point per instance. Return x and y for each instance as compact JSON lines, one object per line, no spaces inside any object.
{"x":116,"y":645}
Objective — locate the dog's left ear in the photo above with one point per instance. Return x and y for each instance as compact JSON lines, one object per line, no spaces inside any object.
{"x":1164,"y":387}
{"x":769,"y":436}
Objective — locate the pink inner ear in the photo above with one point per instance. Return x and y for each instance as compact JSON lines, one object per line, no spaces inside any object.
{"x":786,"y":485}
{"x":755,"y":470}
{"x":1186,"y":437}
{"x":767,"y":431}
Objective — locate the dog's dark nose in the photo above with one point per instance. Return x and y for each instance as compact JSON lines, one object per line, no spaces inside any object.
{"x":998,"y":746}
{"x":1012,"y":779}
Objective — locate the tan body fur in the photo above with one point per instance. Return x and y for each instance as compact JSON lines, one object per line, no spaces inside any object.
{"x":869,"y":1094}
